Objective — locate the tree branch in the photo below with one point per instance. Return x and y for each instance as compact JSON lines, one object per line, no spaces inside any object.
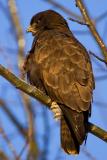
{"x":11,"y":147}
{"x":78,"y":21}
{"x":37,"y":94}
{"x":92,"y":28}
{"x":64,"y":9}
{"x":23,"y":86}
{"x":17,"y":124}
{"x":33,"y":151}
{"x":18,"y":30}
{"x":97,"y":131}
{"x":100,"y":59}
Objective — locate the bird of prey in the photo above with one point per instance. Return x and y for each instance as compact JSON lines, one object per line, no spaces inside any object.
{"x":59,"y":65}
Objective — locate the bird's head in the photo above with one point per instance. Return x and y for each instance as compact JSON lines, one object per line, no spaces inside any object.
{"x":46,"y":20}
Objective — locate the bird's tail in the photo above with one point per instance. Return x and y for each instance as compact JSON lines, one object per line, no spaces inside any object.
{"x":67,"y":141}
{"x":73,"y":130}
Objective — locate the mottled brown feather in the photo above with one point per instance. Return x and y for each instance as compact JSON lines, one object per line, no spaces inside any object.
{"x":67,"y":141}
{"x":59,"y":65}
{"x":62,"y":71}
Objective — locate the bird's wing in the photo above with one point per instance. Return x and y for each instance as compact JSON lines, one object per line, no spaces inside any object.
{"x":66,"y":72}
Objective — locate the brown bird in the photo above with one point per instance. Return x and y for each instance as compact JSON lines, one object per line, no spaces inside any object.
{"x":59,"y":65}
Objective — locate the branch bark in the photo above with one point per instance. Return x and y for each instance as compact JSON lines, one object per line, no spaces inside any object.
{"x":33,"y":149}
{"x":92,"y":28}
{"x":18,"y":30}
{"x":64,"y":9}
{"x":37,"y":94}
{"x":97,"y":131}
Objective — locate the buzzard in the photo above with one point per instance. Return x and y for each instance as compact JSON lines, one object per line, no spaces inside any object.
{"x":59,"y":65}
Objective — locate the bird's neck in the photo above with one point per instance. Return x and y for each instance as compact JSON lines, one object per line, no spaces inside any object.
{"x":58,"y":29}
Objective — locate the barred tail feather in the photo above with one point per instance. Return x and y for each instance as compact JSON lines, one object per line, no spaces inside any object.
{"x":73,"y":130}
{"x":67,"y":141}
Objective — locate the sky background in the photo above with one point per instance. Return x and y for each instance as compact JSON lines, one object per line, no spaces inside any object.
{"x":8,"y":57}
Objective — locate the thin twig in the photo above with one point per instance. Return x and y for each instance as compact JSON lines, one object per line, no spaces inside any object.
{"x":13,"y":118}
{"x":64,"y":9}
{"x":88,"y":154}
{"x":46,"y":138}
{"x":78,"y":21}
{"x":100,"y":59}
{"x":2,"y":132}
{"x":5,"y":10}
{"x":23,"y":149}
{"x":37,"y":94}
{"x":80,"y":5}
{"x":101,"y":17}
{"x":101,"y":78}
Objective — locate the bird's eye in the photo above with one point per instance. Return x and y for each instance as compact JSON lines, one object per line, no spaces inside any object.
{"x":38,"y":21}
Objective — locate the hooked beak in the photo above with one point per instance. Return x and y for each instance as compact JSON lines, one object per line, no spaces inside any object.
{"x":30,"y":29}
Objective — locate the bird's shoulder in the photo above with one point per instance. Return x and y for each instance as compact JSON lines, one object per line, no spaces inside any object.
{"x":61,"y":48}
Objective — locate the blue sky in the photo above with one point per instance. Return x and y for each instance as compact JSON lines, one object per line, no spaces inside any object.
{"x":26,"y":10}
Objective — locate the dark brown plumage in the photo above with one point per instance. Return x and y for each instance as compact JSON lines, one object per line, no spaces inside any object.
{"x":59,"y":65}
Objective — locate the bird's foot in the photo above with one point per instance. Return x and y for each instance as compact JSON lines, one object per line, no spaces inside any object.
{"x":56,"y":110}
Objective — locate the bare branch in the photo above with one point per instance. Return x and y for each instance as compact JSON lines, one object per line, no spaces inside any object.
{"x":100,"y":59}
{"x":2,"y":132}
{"x":88,"y":154}
{"x":64,"y":9}
{"x":23,"y":86}
{"x":21,"y":44}
{"x":78,"y":21}
{"x":22,"y":150}
{"x":46,"y":137}
{"x":101,"y":17}
{"x":92,"y":28}
{"x":13,"y":119}
{"x":18,"y":29}
{"x":37,"y":94}
{"x":97,"y":131}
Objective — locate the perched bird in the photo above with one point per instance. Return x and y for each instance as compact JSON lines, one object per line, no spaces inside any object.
{"x":59,"y":65}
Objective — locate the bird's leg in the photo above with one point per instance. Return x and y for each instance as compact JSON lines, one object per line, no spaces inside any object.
{"x":56,"y":110}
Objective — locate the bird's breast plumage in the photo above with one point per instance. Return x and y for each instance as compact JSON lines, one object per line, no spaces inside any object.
{"x":65,"y":70}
